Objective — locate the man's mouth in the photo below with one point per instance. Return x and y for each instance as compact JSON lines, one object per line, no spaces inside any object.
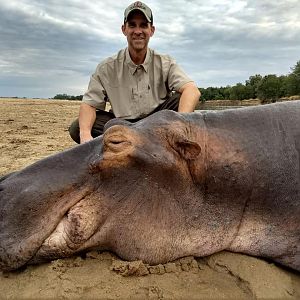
{"x":138,"y":38}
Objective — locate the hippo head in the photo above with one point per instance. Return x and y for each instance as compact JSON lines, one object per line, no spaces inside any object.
{"x":135,"y":191}
{"x":157,"y":150}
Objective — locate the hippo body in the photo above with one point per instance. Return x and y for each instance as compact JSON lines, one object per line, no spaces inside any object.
{"x":168,"y":186}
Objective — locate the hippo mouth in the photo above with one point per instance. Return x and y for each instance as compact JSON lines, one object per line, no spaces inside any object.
{"x":75,"y":228}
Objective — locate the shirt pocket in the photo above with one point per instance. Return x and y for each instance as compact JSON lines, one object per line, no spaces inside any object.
{"x":142,"y":100}
{"x":120,"y":100}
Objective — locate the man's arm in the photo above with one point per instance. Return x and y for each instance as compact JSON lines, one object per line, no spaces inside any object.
{"x":87,"y":117}
{"x":189,"y":98}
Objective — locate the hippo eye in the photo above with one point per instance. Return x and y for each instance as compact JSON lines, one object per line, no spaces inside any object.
{"x":116,"y":140}
{"x":116,"y":143}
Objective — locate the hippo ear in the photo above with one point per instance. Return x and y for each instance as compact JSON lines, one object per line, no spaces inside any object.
{"x":187,"y":149}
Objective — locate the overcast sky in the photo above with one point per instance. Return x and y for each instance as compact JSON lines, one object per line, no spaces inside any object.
{"x":52,"y":46}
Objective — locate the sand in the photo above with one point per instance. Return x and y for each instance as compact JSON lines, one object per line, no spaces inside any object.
{"x":33,"y":129}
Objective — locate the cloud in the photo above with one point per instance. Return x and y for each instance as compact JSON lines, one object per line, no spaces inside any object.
{"x":51,"y":47}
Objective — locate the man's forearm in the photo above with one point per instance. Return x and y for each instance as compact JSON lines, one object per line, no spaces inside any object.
{"x":87,"y":117}
{"x":189,"y":98}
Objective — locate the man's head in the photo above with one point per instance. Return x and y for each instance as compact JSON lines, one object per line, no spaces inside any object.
{"x":138,"y":6}
{"x":138,"y":26}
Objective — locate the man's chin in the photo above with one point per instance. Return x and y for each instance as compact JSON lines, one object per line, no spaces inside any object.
{"x":139,"y":47}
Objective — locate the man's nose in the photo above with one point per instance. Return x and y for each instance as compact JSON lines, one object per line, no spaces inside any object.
{"x":138,"y":30}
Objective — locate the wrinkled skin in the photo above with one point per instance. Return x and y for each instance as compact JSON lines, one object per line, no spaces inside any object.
{"x":169,"y":186}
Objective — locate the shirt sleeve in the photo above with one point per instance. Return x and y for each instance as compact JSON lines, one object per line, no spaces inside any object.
{"x":95,"y":95}
{"x":176,"y":76}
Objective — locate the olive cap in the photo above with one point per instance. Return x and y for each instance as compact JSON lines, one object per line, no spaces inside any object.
{"x":142,"y":7}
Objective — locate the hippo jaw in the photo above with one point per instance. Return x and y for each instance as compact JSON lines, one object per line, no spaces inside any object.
{"x":17,"y":252}
{"x":35,"y":199}
{"x":79,"y":223}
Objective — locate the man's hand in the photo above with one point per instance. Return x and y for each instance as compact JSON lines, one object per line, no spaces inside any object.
{"x":85,"y":137}
{"x":87,"y":117}
{"x":189,"y":98}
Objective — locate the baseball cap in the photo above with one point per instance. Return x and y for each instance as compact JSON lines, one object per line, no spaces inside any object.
{"x":141,"y":7}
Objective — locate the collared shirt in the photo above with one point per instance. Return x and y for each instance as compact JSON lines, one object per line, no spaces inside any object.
{"x":134,"y":90}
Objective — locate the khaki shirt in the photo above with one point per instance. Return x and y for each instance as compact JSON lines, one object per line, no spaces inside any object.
{"x":134,"y":90}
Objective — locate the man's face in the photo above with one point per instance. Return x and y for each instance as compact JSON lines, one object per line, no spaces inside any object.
{"x":138,"y":31}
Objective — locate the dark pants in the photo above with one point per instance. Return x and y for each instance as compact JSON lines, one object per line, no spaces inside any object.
{"x":102,"y":117}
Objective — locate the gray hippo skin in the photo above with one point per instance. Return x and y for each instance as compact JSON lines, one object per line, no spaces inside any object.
{"x":168,"y":186}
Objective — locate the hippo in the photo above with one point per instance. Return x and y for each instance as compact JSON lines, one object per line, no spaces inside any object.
{"x":168,"y":186}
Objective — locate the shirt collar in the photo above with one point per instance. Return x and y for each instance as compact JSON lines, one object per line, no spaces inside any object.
{"x":132,"y":66}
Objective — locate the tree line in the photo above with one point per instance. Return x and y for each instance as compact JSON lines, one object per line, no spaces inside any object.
{"x":67,"y":97}
{"x":267,"y":88}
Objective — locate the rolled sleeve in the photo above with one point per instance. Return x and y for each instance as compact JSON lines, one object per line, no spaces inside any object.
{"x":176,"y":76}
{"x":95,"y":95}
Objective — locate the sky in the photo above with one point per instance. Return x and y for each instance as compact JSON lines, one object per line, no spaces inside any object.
{"x":50,"y":47}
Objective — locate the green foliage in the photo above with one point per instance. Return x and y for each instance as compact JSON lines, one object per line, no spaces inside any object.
{"x":296,"y":69}
{"x":241,"y":92}
{"x":253,"y":82}
{"x":268,"y":88}
{"x":292,"y":85}
{"x":294,"y":79}
{"x":67,"y":97}
{"x":211,"y":93}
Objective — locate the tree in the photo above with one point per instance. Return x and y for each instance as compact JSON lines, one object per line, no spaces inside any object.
{"x":240,"y":92}
{"x":268,"y":89}
{"x":67,"y":97}
{"x":253,"y":82}
{"x":296,"y":69}
{"x":295,"y":79}
{"x":211,"y":93}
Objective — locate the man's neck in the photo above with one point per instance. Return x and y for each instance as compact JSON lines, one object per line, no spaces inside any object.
{"x":138,"y":57}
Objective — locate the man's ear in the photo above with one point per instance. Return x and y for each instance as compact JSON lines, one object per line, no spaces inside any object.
{"x":123,"y":29}
{"x":189,"y":150}
{"x":152,"y":30}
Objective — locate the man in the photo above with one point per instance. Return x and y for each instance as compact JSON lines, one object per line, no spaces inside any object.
{"x":137,"y":81}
